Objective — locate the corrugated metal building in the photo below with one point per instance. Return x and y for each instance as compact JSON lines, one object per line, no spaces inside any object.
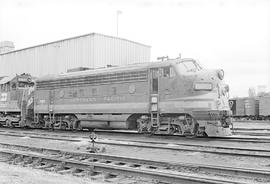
{"x":90,"y":50}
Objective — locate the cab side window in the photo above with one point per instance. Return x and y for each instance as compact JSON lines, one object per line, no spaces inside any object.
{"x":168,"y":72}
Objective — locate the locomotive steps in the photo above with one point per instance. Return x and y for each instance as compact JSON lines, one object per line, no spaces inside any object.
{"x":87,"y":164}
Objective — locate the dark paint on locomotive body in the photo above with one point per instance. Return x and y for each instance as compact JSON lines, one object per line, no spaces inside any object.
{"x":14,"y":96}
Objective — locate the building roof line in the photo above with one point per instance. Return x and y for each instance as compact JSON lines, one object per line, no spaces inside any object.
{"x":71,"y":38}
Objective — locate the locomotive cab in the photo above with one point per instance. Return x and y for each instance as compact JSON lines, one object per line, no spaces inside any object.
{"x":207,"y":95}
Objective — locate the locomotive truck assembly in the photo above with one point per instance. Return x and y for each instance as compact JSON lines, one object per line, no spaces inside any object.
{"x":176,"y":96}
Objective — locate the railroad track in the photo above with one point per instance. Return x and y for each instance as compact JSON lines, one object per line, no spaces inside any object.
{"x":252,"y":129}
{"x":252,"y":121}
{"x":263,"y":133}
{"x":83,"y":134}
{"x":82,"y":163}
{"x":220,"y":150}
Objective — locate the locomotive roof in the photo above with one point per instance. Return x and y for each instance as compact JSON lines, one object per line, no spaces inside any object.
{"x":2,"y":77}
{"x":114,"y":69}
{"x":7,"y":79}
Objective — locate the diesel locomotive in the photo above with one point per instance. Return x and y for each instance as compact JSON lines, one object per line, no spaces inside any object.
{"x":176,"y":96}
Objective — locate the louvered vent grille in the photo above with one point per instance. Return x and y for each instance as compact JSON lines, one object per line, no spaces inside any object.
{"x":93,"y":80}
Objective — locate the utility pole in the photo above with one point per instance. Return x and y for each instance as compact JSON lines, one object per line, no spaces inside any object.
{"x":117,"y":15}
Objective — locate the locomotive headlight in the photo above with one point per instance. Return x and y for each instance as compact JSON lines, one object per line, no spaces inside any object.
{"x":227,"y":88}
{"x":203,"y":86}
{"x":220,"y":74}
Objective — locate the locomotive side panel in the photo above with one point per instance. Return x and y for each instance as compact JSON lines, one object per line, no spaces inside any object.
{"x":8,"y":102}
{"x":110,"y":98}
{"x":41,"y":104}
{"x":13,"y":98}
{"x":97,"y":101}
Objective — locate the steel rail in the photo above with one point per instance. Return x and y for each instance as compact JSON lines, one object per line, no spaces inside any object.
{"x":252,"y":129}
{"x":262,"y":153}
{"x":167,"y":137}
{"x":82,"y":158}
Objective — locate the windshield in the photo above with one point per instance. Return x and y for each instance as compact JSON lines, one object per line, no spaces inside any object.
{"x":188,"y":66}
{"x":25,"y":85}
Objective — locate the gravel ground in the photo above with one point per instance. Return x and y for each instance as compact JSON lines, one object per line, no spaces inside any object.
{"x":21,"y":175}
{"x":11,"y":174}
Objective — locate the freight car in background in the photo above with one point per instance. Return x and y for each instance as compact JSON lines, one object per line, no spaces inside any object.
{"x":264,"y":108}
{"x":251,"y":108}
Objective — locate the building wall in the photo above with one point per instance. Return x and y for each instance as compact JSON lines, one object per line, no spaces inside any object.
{"x":92,"y":50}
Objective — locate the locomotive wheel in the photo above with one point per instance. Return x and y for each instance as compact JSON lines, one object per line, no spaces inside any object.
{"x":78,"y":126}
{"x":9,"y":123}
{"x":175,"y":129}
{"x":143,"y":126}
{"x":47,"y":125}
{"x":205,"y":134}
{"x":139,"y":128}
{"x":196,"y":129}
{"x":63,"y":125}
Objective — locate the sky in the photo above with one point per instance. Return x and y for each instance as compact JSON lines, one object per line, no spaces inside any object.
{"x":233,"y":35}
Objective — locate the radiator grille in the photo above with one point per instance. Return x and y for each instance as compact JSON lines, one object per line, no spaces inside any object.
{"x":93,"y":80}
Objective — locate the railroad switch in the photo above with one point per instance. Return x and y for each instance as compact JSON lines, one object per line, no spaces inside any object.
{"x":93,"y":148}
